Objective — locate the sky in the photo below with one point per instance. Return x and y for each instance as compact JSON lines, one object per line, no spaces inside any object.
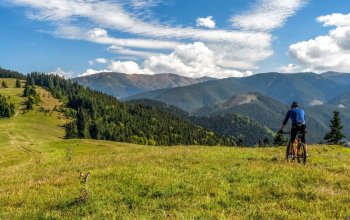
{"x":192,"y":38}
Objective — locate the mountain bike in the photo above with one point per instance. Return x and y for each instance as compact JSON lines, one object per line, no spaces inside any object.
{"x":296,"y":150}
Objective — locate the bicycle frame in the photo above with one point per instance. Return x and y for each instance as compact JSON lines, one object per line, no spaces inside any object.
{"x":297,"y":149}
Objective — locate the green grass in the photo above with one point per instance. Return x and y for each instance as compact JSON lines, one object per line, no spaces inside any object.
{"x":37,"y":181}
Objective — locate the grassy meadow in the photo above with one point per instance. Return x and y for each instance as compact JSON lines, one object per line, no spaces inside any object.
{"x":39,"y":176}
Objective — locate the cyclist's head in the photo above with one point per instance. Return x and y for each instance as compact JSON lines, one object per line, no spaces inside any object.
{"x":294,"y":105}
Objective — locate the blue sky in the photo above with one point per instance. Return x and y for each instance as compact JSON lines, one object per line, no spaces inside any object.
{"x":191,"y":38}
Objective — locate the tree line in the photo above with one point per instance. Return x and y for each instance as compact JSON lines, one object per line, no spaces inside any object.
{"x":4,"y":73}
{"x":100,"y":116}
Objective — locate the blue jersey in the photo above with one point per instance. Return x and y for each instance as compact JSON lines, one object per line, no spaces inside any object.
{"x":297,"y":116}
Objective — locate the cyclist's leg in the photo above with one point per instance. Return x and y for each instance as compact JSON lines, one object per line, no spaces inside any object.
{"x":303,"y":132}
{"x":293,"y":135}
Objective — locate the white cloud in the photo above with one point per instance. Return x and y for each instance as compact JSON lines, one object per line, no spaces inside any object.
{"x":101,"y":60}
{"x":141,"y":4}
{"x":336,"y":19}
{"x":191,"y":60}
{"x":206,"y":22}
{"x":316,"y":102}
{"x":99,"y":35}
{"x":62,"y":73}
{"x":135,"y":53}
{"x":267,"y":14}
{"x":328,"y":52}
{"x":128,"y":67}
{"x":290,"y":68}
{"x":89,"y":72}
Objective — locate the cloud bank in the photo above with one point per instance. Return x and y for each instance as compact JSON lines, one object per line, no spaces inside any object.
{"x":267,"y":15}
{"x":192,"y":60}
{"x":328,"y":52}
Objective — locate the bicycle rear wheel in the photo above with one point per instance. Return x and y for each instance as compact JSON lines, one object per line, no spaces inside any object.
{"x":302,"y":154}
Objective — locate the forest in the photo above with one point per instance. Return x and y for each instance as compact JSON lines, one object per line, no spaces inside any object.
{"x":99,"y":116}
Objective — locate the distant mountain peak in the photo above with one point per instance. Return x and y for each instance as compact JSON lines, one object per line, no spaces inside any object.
{"x":122,"y":85}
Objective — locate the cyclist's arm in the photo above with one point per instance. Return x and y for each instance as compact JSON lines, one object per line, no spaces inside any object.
{"x":285,"y":120}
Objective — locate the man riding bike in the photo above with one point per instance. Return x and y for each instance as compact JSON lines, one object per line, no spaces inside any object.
{"x":298,"y":118}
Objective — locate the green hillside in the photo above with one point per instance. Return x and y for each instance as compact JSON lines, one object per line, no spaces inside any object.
{"x":264,"y":109}
{"x":99,"y":116}
{"x":39,"y":173}
{"x":242,"y":129}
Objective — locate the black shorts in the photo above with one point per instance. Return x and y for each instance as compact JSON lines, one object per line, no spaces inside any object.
{"x":294,"y":132}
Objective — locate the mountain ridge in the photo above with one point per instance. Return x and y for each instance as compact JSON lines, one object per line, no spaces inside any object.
{"x":122,"y":85}
{"x":306,"y":88}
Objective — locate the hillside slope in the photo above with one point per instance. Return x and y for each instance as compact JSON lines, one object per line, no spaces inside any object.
{"x":40,"y":177}
{"x":262,"y":108}
{"x":123,"y":85}
{"x":270,"y":112}
{"x":338,"y":77}
{"x":242,"y":129}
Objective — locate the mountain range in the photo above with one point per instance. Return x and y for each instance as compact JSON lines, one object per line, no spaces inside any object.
{"x":264,"y":98}
{"x":309,"y":89}
{"x":123,"y":85}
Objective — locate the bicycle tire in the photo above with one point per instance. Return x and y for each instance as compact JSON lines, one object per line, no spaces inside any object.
{"x":302,"y":157}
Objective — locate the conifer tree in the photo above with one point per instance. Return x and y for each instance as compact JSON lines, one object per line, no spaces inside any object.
{"x":335,"y":135}
{"x":18,"y":83}
{"x":280,"y":139}
{"x":7,"y":110}
{"x":4,"y":84}
{"x":71,"y":130}
{"x":26,"y":90}
{"x":266,"y":142}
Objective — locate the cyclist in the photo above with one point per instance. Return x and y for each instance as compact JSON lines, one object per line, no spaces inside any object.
{"x":298,"y":118}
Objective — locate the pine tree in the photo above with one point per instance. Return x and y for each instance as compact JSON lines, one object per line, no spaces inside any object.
{"x":71,"y":130}
{"x":266,"y":142}
{"x":18,"y":83}
{"x":280,"y":139}
{"x":30,"y":103}
{"x":335,"y":135}
{"x":26,"y":90}
{"x":83,"y":123}
{"x":7,"y":110}
{"x":4,"y":84}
